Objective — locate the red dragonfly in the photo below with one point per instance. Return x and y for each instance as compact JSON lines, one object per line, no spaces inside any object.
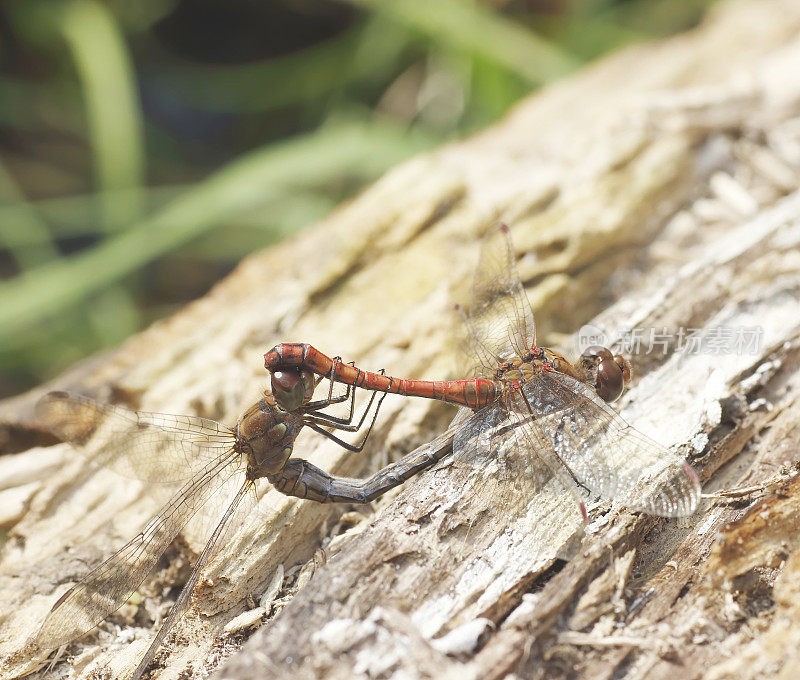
{"x":529,"y":402}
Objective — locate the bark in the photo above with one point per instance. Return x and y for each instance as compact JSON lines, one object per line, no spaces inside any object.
{"x":657,"y":189}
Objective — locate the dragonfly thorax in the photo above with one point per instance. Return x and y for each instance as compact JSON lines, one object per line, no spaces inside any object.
{"x":608,"y":375}
{"x":266,"y":436}
{"x":519,"y":369}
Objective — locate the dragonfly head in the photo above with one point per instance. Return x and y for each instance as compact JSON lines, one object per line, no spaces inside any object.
{"x":266,"y":435}
{"x":610,"y":373}
{"x":292,"y":387}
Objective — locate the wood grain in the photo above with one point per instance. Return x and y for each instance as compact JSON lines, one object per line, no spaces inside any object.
{"x":655,"y":190}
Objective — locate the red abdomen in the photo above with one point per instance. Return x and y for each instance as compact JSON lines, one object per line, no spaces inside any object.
{"x":473,"y":392}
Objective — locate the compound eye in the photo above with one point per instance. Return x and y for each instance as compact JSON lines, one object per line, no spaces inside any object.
{"x":610,"y":380}
{"x":625,"y":367}
{"x":611,"y":373}
{"x":292,"y":388}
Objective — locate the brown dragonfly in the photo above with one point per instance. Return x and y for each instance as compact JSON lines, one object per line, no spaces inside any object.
{"x":530,"y":403}
{"x":206,"y":456}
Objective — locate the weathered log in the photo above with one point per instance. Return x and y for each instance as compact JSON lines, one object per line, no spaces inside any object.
{"x":659,"y":186}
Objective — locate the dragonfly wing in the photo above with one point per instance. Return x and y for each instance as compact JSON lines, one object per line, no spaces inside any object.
{"x":153,"y":447}
{"x":603,"y":453}
{"x":489,"y":446}
{"x":183,"y":599}
{"x":500,"y":321}
{"x":104,"y":589}
{"x":475,"y":433}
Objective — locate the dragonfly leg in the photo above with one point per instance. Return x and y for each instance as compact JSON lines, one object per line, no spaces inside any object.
{"x":330,"y":399}
{"x":301,"y":479}
{"x":316,"y":424}
{"x":573,"y":476}
{"x":346,"y":423}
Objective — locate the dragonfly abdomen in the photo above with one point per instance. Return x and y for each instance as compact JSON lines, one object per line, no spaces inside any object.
{"x":473,"y":392}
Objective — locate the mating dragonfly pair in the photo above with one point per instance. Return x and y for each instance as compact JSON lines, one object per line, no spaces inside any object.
{"x":525,"y":400}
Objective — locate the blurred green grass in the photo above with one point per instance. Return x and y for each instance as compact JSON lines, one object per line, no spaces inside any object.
{"x":147,"y":147}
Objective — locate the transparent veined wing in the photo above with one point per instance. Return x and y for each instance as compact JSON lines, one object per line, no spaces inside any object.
{"x":603,"y":453}
{"x":154,"y":447}
{"x":104,"y":589}
{"x":500,"y":320}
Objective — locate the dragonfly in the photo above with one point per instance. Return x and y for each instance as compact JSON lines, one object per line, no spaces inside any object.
{"x":207,"y":457}
{"x":530,"y":403}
